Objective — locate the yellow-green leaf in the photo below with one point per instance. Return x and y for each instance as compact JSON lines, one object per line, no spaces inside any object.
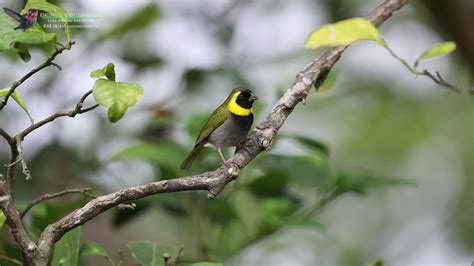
{"x":147,"y":253}
{"x":343,"y":33}
{"x":438,"y":49}
{"x":2,"y":220}
{"x":108,"y":71}
{"x":118,"y":96}
{"x":18,"y":99}
{"x":116,"y":111}
{"x":66,"y":250}
{"x":92,"y":249}
{"x":18,"y":41}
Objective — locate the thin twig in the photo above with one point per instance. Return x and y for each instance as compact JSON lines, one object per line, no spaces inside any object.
{"x":24,"y":168}
{"x":11,"y":167}
{"x":57,"y":66}
{"x":110,"y":260}
{"x":48,"y":62}
{"x":120,"y":254}
{"x":12,"y":260}
{"x":5,"y":135}
{"x":77,"y":110}
{"x":440,"y":81}
{"x":326,"y":198}
{"x":437,"y":79}
{"x":178,"y":257}
{"x":45,"y":197}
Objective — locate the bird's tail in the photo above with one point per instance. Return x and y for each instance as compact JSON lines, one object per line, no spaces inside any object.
{"x":192,"y":155}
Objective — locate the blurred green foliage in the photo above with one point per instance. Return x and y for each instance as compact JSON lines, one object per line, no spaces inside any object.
{"x":276,"y":191}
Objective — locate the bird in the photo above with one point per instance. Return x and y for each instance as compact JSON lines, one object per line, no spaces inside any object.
{"x":227,"y":126}
{"x":26,"y":22}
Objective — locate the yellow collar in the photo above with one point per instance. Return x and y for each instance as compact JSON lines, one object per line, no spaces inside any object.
{"x":236,"y":109}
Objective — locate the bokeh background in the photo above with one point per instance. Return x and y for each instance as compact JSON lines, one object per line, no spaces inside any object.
{"x":373,"y":116}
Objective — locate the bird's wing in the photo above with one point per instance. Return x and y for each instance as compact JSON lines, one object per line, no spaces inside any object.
{"x":216,"y":119}
{"x":14,"y":15}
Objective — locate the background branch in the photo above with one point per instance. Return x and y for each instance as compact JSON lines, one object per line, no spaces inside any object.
{"x":215,"y":181}
{"x":31,"y":204}
{"x":5,"y":135}
{"x":48,"y":62}
{"x":13,"y":220}
{"x":440,"y":81}
{"x":77,"y":110}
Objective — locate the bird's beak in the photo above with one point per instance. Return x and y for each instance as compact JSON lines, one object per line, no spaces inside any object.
{"x":253,"y":97}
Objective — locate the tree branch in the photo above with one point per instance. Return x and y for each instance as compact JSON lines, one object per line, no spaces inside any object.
{"x":48,"y":62}
{"x":440,"y":81}
{"x":20,"y":159}
{"x":15,"y":142}
{"x":78,"y":110}
{"x":31,"y":204}
{"x":5,"y":135}
{"x":13,"y":220}
{"x":215,"y":181}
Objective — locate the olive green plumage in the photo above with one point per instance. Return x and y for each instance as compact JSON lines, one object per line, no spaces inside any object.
{"x":227,"y":126}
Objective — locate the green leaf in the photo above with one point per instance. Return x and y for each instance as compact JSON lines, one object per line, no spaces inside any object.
{"x":22,"y":51}
{"x":55,"y":12}
{"x":360,"y":183}
{"x":274,"y":212}
{"x":118,"y":96}
{"x":107,"y":71}
{"x":167,"y":155}
{"x":116,"y":112}
{"x":270,"y":184}
{"x":148,"y":253}
{"x":315,"y":145}
{"x":2,"y":220}
{"x":18,"y":99}
{"x":17,"y":40}
{"x":139,"y":20}
{"x":343,"y":33}
{"x":49,"y":212}
{"x":66,"y":250}
{"x":92,"y":249}
{"x":98,"y":73}
{"x":312,"y":169}
{"x":438,"y":50}
{"x":244,"y":204}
